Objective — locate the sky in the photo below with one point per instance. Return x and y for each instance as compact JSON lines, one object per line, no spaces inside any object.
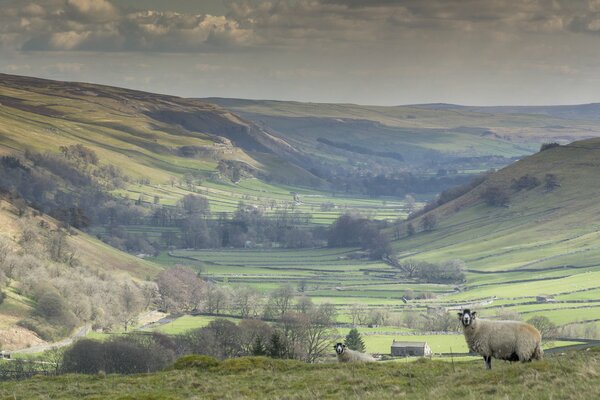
{"x":383,"y":52}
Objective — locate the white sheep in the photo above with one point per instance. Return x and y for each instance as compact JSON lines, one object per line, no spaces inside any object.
{"x":504,"y":340}
{"x":345,"y":355}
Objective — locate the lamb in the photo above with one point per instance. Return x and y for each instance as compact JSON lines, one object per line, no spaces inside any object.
{"x":504,"y":340}
{"x":345,"y":355}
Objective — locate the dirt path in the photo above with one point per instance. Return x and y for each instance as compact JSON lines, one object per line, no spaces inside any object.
{"x":81,"y":332}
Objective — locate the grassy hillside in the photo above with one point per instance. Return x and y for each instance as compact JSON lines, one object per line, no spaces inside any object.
{"x":418,"y":133}
{"x":28,"y":268}
{"x":150,"y":136}
{"x":572,"y":376}
{"x":542,"y":242}
{"x":168,"y":147}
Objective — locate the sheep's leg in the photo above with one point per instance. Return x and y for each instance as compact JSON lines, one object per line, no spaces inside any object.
{"x":488,"y":362}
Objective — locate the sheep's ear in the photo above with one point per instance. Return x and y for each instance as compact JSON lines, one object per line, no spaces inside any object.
{"x":473,"y":314}
{"x":460,"y":314}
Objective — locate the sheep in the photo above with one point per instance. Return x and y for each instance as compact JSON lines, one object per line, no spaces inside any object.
{"x":504,"y":340}
{"x":345,"y":355}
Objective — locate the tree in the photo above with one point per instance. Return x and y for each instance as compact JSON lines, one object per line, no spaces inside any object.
{"x":218,"y":298}
{"x":526,"y":182}
{"x":410,"y":229}
{"x":276,"y":348}
{"x":429,"y":222}
{"x":254,"y":336}
{"x":86,"y":356}
{"x":411,"y":267}
{"x":495,"y":196}
{"x":179,"y":288}
{"x":246,"y":301}
{"x":304,"y":304}
{"x":258,"y":347}
{"x":548,"y":146}
{"x":354,"y":341}
{"x":551,"y":182}
{"x":546,"y":327}
{"x":358,"y":314}
{"x":410,"y":203}
{"x":317,"y":331}
{"x":193,"y":204}
{"x":281,"y":300}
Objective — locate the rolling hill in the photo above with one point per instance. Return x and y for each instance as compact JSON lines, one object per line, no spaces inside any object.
{"x":540,"y":240}
{"x":439,"y":135}
{"x":151,"y":136}
{"x":84,"y":270}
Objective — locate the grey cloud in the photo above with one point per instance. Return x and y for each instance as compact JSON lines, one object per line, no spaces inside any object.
{"x":99,"y":25}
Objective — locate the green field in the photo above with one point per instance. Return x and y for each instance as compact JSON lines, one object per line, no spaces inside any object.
{"x":572,"y":376}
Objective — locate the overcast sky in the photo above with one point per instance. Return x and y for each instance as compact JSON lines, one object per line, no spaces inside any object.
{"x":478,"y":52}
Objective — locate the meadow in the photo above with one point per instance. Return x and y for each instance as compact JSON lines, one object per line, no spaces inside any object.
{"x":570,"y":376}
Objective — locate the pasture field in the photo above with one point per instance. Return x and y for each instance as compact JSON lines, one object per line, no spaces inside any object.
{"x":329,"y":276}
{"x":224,"y":197}
{"x":572,"y":376}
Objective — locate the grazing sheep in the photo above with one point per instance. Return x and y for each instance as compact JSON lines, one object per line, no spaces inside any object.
{"x":504,"y":340}
{"x":346,"y":355}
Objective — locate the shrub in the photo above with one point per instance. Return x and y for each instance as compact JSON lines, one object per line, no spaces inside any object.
{"x":429,"y":222}
{"x":86,"y":356}
{"x":495,"y":196}
{"x":195,"y":361}
{"x":124,"y":355}
{"x":548,"y":146}
{"x":526,"y":182}
{"x":234,"y":365}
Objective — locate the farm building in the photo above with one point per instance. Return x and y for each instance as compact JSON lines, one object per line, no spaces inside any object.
{"x":405,"y":349}
{"x":545,"y":299}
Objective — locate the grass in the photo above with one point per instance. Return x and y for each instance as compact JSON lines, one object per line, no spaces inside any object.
{"x":186,"y":323}
{"x":572,"y":376}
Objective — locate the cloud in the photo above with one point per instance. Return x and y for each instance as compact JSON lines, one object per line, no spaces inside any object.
{"x":92,"y":10}
{"x":99,"y":25}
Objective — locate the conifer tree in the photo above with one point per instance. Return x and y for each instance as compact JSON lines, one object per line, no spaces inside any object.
{"x":354,"y":341}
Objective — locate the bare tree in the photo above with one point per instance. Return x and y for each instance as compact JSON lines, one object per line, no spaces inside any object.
{"x":246,"y":301}
{"x":318,"y":331}
{"x":218,"y":299}
{"x":304,"y":305}
{"x":281,"y":300}
{"x":546,"y":327}
{"x":179,"y":288}
{"x":358,"y":314}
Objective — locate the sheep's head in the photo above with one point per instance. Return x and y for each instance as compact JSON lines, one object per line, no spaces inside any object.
{"x":339,"y":348}
{"x":466,"y":317}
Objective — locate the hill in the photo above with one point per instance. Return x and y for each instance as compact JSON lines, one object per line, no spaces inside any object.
{"x":528,"y":230}
{"x":151,"y":136}
{"x":589,"y":112}
{"x":447,"y":136}
{"x":54,"y":280}
{"x":572,"y":376}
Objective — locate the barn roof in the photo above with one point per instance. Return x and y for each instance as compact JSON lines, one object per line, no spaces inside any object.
{"x":408,"y":344}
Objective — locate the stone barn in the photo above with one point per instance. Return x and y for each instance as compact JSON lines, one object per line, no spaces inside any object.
{"x":409,"y":349}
